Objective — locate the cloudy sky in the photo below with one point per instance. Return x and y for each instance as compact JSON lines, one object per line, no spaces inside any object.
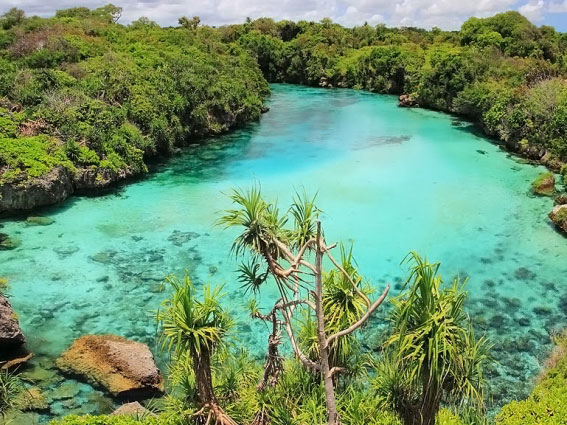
{"x":447,"y":14}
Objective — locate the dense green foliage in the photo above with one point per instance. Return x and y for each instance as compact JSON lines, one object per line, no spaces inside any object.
{"x":433,"y":356}
{"x":10,"y":387}
{"x":503,"y":72}
{"x":108,"y":96}
{"x":112,"y":95}
{"x":547,"y":405}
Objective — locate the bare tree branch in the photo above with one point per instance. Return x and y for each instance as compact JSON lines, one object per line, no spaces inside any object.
{"x":336,"y":370}
{"x":363,"y":319}
{"x":299,"y":354}
{"x":296,"y":303}
{"x":343,"y":271}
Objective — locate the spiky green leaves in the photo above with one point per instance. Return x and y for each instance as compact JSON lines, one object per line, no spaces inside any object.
{"x":433,"y":354}
{"x":190,"y":323}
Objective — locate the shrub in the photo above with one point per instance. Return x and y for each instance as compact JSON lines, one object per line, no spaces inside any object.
{"x":30,"y":157}
{"x":547,"y":405}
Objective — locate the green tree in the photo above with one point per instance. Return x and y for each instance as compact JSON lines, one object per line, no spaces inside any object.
{"x":433,"y":354}
{"x":192,"y":23}
{"x":11,"y":18}
{"x":285,"y":255}
{"x":196,"y":327}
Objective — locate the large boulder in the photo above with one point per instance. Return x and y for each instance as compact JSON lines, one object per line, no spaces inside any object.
{"x":11,"y":336}
{"x":49,"y":189}
{"x":559,"y":217}
{"x":123,"y":367}
{"x":12,"y":350}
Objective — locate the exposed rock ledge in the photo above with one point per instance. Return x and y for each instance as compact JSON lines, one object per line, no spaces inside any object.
{"x":52,"y":188}
{"x":12,"y":340}
{"x":123,"y":367}
{"x":55,"y":187}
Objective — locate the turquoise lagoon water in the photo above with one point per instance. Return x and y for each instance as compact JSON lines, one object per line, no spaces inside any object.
{"x":391,"y":180}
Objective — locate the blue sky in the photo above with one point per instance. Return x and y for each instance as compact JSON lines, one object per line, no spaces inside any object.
{"x":446,"y":14}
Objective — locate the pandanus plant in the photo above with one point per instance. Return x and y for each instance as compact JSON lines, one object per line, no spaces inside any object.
{"x":10,"y":387}
{"x":433,"y":355}
{"x":284,"y":255}
{"x":194,"y":328}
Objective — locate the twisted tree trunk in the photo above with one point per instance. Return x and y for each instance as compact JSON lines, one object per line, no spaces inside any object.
{"x":274,"y":363}
{"x":332,"y":413}
{"x":205,"y":391}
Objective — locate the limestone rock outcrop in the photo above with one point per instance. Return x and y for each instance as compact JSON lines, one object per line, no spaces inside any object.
{"x":11,"y":336}
{"x":125,"y":368}
{"x":12,"y":340}
{"x":544,"y":185}
{"x":54,"y":187}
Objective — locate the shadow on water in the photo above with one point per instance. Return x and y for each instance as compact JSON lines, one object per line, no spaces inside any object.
{"x":206,"y":161}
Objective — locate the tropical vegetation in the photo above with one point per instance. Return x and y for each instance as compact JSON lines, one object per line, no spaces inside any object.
{"x":83,"y":92}
{"x":427,"y":371}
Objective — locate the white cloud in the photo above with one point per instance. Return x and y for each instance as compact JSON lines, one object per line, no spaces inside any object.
{"x":447,"y":14}
{"x":533,"y":10}
{"x":560,"y":7}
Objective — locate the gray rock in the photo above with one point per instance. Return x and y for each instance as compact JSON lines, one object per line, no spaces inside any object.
{"x":53,"y":187}
{"x":11,"y":335}
{"x":132,"y":409}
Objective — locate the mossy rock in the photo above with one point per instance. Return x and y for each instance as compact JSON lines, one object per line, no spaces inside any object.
{"x":544,"y":184}
{"x":65,"y":391}
{"x":39,"y":221}
{"x":559,"y":217}
{"x":7,"y":242}
{"x":32,"y":399}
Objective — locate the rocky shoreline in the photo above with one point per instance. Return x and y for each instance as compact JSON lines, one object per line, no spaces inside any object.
{"x":55,"y":187}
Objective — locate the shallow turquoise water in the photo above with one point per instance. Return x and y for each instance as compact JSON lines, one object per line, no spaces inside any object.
{"x":390,"y":179}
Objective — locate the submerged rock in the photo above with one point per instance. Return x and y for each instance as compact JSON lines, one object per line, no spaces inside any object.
{"x":39,"y":221}
{"x":32,"y":399}
{"x":7,"y":243}
{"x":523,"y":273}
{"x":559,"y":217}
{"x":123,"y":367}
{"x":53,"y":187}
{"x":66,"y":251}
{"x":102,"y":257}
{"x":65,"y":391}
{"x":179,"y":238}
